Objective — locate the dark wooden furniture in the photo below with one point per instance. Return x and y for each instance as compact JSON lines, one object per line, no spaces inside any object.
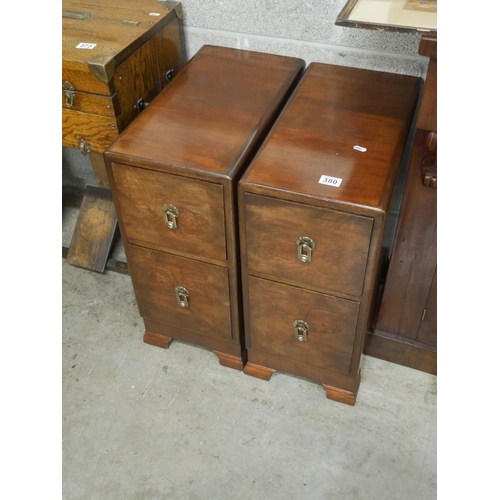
{"x":312,"y":208}
{"x":116,"y":56}
{"x":173,"y":175}
{"x":405,"y":330}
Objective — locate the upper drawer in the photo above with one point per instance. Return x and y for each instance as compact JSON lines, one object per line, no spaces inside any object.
{"x":193,"y":222}
{"x":335,"y":258}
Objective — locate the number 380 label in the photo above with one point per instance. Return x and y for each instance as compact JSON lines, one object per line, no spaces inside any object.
{"x":330,"y":181}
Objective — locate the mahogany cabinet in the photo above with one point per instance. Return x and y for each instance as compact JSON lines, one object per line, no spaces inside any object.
{"x":173,"y":175}
{"x":312,"y":209}
{"x":405,"y":328}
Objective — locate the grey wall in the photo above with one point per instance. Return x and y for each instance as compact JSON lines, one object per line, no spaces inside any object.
{"x":299,"y":28}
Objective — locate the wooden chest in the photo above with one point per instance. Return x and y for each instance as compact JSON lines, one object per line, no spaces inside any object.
{"x":312,"y":210}
{"x":173,"y":175}
{"x":116,"y":56}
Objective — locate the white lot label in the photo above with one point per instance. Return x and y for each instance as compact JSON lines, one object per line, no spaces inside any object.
{"x":83,"y":45}
{"x":359,"y":148}
{"x":330,"y":181}
{"x":154,"y":13}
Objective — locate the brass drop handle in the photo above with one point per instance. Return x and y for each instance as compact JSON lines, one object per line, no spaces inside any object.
{"x":305,"y":246}
{"x":170,"y":214}
{"x":301,"y":329}
{"x":182,"y":295}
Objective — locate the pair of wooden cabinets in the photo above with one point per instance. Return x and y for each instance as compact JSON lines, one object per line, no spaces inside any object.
{"x":252,"y":197}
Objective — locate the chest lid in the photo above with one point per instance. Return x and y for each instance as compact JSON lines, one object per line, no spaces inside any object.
{"x":212,"y":115}
{"x":98,"y":36}
{"x":340,"y":138}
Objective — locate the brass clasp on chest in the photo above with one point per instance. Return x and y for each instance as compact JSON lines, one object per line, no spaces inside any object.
{"x":69,"y":93}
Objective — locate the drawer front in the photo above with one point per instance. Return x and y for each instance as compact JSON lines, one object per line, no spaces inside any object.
{"x":156,"y":275}
{"x":90,"y":103}
{"x":334,"y":260}
{"x":331,"y":322}
{"x":143,"y":194}
{"x":98,"y":131}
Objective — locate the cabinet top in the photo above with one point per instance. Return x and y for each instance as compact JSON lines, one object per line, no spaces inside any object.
{"x":210,"y":118}
{"x":340,"y":138}
{"x":109,"y":30}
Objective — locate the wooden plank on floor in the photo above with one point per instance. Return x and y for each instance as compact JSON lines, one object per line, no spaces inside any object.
{"x":94,"y":231}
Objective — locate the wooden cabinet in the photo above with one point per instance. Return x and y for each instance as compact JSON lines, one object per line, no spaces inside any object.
{"x":116,"y":56}
{"x":173,"y":175}
{"x":312,"y":209}
{"x":405,"y":328}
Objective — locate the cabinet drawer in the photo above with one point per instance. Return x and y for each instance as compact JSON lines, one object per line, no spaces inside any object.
{"x":156,"y":275}
{"x":331,"y":321}
{"x":142,"y":195}
{"x":99,"y":131}
{"x":341,"y":242}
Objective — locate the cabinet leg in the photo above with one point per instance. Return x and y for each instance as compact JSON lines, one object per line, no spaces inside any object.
{"x":258,"y":371}
{"x":99,"y":167}
{"x":341,"y":395}
{"x":156,"y":339}
{"x":230,"y":361}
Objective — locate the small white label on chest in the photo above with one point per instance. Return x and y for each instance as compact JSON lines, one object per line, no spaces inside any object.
{"x":330,"y":181}
{"x":84,"y":45}
{"x":155,"y":14}
{"x":359,"y":148}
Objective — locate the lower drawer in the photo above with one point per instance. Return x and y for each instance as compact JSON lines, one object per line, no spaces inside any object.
{"x":181,"y":292}
{"x":331,"y":325}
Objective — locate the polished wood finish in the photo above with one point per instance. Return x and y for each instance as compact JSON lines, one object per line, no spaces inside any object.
{"x":346,"y":397}
{"x":259,"y":371}
{"x":230,"y":361}
{"x":405,"y":330}
{"x":281,"y":199}
{"x":285,"y":221}
{"x":95,"y":229}
{"x":273,"y":309}
{"x":188,"y":149}
{"x":132,"y":54}
{"x":200,"y":224}
{"x":156,"y":339}
{"x":157,"y":274}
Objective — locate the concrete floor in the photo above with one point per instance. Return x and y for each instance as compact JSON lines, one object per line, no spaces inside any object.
{"x":140,"y":422}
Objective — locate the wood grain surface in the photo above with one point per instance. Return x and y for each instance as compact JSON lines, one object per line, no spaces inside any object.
{"x":141,"y":195}
{"x":155,"y":276}
{"x":338,"y":260}
{"x":332,"y":324}
{"x":94,"y":232}
{"x":114,"y":39}
{"x":333,"y":109}
{"x":211,"y":114}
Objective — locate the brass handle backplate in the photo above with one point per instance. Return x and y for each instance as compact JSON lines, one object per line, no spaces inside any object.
{"x":301,"y":330}
{"x":170,"y":214}
{"x":182,"y":295}
{"x":305,"y":246}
